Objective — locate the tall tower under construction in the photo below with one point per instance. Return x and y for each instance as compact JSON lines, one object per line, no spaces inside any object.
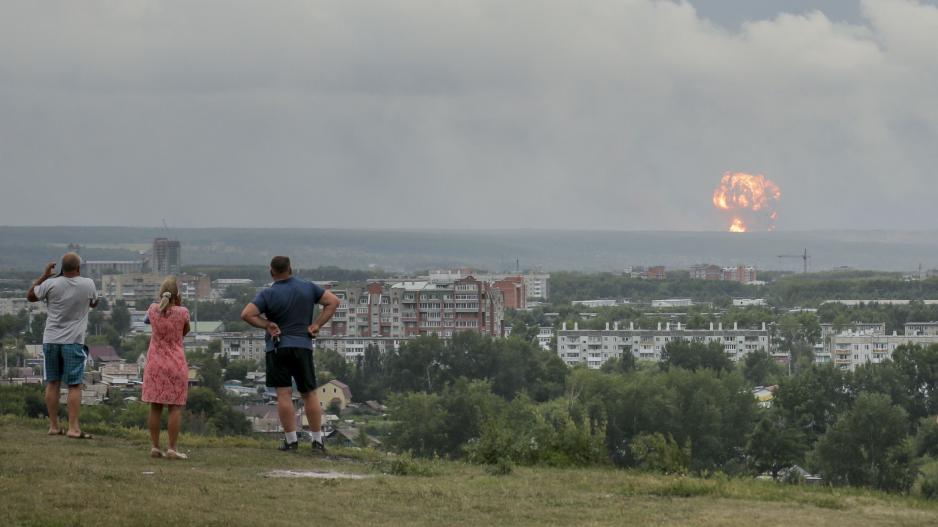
{"x":166,"y":256}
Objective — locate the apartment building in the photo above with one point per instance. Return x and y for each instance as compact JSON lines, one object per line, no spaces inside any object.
{"x":130,"y":287}
{"x":353,"y":348}
{"x":536,"y":286}
{"x":706,"y":272}
{"x":402,"y":310}
{"x":167,"y":256}
{"x":740,"y":273}
{"x":867,"y":342}
{"x":13,"y":306}
{"x":851,"y":349}
{"x":237,"y":346}
{"x":595,"y":347}
{"x":99,"y":268}
{"x":544,"y":335}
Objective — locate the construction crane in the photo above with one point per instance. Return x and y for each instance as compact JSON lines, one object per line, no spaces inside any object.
{"x":804,"y":257}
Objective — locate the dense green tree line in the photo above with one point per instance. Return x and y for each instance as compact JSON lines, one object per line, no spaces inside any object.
{"x":785,"y":291}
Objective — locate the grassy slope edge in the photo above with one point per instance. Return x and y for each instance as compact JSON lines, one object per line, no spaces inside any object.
{"x":55,"y":481}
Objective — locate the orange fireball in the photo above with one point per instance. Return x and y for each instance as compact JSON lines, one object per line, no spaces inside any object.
{"x":748,"y":200}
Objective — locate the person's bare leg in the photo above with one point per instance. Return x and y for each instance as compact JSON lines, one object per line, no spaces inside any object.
{"x":52,"y":405}
{"x":175,"y":423}
{"x":156,"y":415}
{"x":313,"y":411}
{"x":74,"y":407}
{"x":285,"y":409}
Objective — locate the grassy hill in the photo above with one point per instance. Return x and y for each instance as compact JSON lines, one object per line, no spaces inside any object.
{"x":110,"y":481}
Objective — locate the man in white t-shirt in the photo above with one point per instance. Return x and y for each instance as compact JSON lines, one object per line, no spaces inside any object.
{"x":68,"y":298}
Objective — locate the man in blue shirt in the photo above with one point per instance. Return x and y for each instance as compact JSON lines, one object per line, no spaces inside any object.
{"x":287,"y":307}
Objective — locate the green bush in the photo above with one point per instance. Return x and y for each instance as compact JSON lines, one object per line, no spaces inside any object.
{"x":658,"y":453}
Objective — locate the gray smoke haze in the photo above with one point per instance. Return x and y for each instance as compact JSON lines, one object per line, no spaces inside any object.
{"x":605,"y":114}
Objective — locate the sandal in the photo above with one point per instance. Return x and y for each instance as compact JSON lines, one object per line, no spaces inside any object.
{"x":172,"y":454}
{"x":156,"y":453}
{"x":81,"y":435}
{"x":59,"y":432}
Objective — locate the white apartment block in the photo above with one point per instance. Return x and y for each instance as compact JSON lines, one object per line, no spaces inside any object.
{"x":544,"y":335}
{"x":850,"y":350}
{"x":131,"y":286}
{"x":867,"y":342}
{"x":748,"y":302}
{"x":238,"y":346}
{"x":353,"y":348}
{"x":13,"y":306}
{"x":595,"y":347}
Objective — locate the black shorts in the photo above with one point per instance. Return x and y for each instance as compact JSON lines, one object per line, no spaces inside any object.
{"x":296,"y":363}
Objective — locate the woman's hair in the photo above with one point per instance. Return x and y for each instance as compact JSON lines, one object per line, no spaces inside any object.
{"x":169,"y":294}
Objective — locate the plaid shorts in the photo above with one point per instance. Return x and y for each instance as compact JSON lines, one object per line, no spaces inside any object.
{"x":64,"y":362}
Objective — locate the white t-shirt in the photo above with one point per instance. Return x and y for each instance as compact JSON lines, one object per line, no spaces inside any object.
{"x":68,"y":301}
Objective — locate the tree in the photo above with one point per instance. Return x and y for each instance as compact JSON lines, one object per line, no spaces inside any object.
{"x":814,"y":399}
{"x":759,"y":367}
{"x":695,"y":355}
{"x":623,"y":364}
{"x":774,"y":445}
{"x":867,"y":446}
{"x":238,"y":369}
{"x":120,"y":317}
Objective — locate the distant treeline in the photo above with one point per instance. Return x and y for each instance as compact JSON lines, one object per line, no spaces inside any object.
{"x":786,"y":291}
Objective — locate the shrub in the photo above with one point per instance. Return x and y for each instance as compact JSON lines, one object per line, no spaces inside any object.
{"x":658,"y":453}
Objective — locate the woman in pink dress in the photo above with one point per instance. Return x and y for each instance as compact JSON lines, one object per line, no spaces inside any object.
{"x":166,"y":374}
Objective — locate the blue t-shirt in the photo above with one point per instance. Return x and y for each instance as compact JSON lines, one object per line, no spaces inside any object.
{"x":290,"y":304}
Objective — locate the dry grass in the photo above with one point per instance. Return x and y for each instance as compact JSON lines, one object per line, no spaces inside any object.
{"x":54,"y":481}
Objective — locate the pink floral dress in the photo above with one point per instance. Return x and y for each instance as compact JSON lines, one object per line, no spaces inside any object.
{"x":166,"y":375}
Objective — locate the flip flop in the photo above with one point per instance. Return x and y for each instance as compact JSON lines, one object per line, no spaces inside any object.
{"x":60,"y":432}
{"x":80,"y":436}
{"x":156,"y":453}
{"x":172,"y":454}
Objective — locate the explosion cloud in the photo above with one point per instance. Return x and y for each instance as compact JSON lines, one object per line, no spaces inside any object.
{"x":748,"y":201}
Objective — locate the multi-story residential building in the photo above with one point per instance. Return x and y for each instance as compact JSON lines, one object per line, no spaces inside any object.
{"x":353,"y":348}
{"x":595,"y":347}
{"x":166,"y":258}
{"x":656,"y":272}
{"x":99,"y":268}
{"x":544,"y":335}
{"x":402,"y":310}
{"x":921,"y":328}
{"x":195,"y":287}
{"x":851,"y":349}
{"x":740,"y":273}
{"x":824,"y":348}
{"x":13,"y":306}
{"x":248,"y":346}
{"x":535,"y":286}
{"x":130,"y":287}
{"x":706,"y":272}
{"x":514,"y":291}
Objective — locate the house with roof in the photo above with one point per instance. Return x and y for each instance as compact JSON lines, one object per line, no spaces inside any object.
{"x":336,"y":393}
{"x":102,"y":354}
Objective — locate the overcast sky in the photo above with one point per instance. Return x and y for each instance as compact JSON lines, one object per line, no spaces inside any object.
{"x":605,"y":114}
